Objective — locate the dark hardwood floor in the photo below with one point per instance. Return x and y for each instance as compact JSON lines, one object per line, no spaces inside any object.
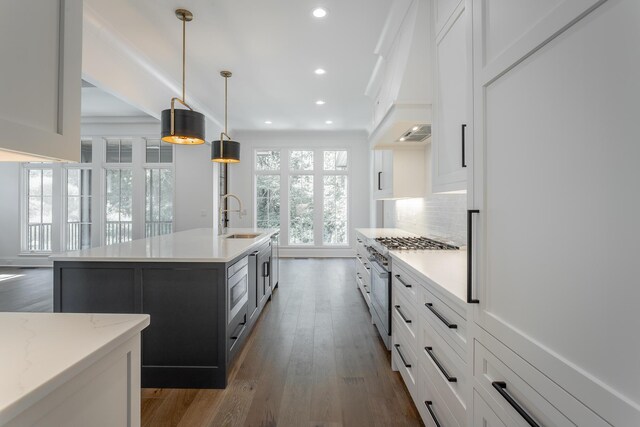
{"x":313,"y":359}
{"x":26,"y":289}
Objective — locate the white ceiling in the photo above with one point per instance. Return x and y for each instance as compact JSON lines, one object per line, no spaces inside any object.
{"x":271,"y":46}
{"x":97,"y":103}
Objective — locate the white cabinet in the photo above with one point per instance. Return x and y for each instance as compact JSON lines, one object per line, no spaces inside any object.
{"x":41,"y":79}
{"x":398,"y":174}
{"x":556,"y":183}
{"x":452,"y":108}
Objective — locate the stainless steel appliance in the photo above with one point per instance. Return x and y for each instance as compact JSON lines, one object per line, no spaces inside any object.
{"x":238,"y":287}
{"x":381,"y":275}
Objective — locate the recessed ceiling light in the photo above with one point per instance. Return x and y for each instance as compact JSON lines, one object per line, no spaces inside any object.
{"x":320,"y":102}
{"x":415,"y":128}
{"x":320,"y":71}
{"x":402,"y":139}
{"x":319,"y":12}
{"x":329,"y":122}
{"x":267,"y":122}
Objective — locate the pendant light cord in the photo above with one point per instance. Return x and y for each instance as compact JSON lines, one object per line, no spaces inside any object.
{"x":225,"y":104}
{"x":184,"y":55}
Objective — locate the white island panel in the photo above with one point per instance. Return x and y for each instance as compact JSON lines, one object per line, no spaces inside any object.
{"x":70,"y":369}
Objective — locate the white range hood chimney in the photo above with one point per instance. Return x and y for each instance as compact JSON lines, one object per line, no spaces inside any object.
{"x":401,"y":83}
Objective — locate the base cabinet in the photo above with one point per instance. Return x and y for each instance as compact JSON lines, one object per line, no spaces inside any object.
{"x":104,"y":394}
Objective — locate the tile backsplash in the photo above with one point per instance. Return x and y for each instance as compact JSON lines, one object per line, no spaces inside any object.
{"x":441,"y":216}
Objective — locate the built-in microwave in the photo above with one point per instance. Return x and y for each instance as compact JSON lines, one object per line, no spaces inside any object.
{"x":237,"y":287}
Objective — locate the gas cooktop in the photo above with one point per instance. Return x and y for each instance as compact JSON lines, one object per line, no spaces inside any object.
{"x":413,"y":243}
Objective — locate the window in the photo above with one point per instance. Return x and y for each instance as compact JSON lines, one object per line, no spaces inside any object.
{"x":335,"y":230}
{"x":39,"y":208}
{"x":86,"y":151}
{"x":301,"y":210}
{"x":158,"y":201}
{"x":335,"y":201}
{"x":118,"y":151}
{"x":78,"y":215}
{"x":267,"y":188}
{"x":315,"y":196}
{"x":118,"y":205}
{"x":158,"y":151}
{"x":301,"y":160}
{"x":268,"y":201}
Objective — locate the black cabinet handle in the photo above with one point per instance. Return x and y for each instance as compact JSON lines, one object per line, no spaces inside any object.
{"x":379,"y":180}
{"x":407,"y":365}
{"x":268,"y":268}
{"x":406,"y":285}
{"x":440,"y":316}
{"x":428,"y":404}
{"x":464,"y":162}
{"x":402,"y":315}
{"x":433,"y":357}
{"x":239,"y":328}
{"x":366,"y":287}
{"x":501,"y":386}
{"x":470,"y":213}
{"x":265,"y":269}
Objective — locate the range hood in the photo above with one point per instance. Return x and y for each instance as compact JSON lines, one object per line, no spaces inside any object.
{"x":404,"y":126}
{"x":401,"y":85}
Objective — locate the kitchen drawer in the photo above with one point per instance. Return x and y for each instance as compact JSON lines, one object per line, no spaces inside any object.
{"x":446,"y":370}
{"x":431,"y":405}
{"x":362,"y":270}
{"x":451,"y":326}
{"x":404,"y":356}
{"x":405,"y":317}
{"x":483,"y":415}
{"x":236,"y":332}
{"x":515,"y":385}
{"x":405,"y":283}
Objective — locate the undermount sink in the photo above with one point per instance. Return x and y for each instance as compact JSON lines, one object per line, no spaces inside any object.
{"x":243,"y":236}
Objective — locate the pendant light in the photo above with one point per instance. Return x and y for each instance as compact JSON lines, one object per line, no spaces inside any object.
{"x":225,"y":151}
{"x":180,"y":126}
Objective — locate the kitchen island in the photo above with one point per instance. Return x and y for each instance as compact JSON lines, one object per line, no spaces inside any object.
{"x":70,"y":370}
{"x":204,"y":293}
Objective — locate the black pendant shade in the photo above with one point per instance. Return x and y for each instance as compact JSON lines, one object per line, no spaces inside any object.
{"x":229,"y":152}
{"x":188,"y":127}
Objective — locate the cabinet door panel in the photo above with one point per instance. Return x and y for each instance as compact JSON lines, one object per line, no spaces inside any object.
{"x":452,"y":104}
{"x":41,"y":72}
{"x":178,"y":337}
{"x":558,"y":223}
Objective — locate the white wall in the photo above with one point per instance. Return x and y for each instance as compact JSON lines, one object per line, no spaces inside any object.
{"x":195,"y":190}
{"x":241,"y":180}
{"x":10,"y":214}
{"x":441,"y":216}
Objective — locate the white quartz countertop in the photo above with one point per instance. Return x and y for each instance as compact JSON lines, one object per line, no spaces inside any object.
{"x":41,"y":351}
{"x":445,"y":269}
{"x":373,"y":233}
{"x":198,"y":245}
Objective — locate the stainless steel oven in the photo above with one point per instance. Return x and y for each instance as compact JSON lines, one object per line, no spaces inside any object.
{"x":381,"y":300}
{"x":237,"y":287}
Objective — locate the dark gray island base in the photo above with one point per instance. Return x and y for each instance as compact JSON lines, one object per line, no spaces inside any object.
{"x":201,"y":312}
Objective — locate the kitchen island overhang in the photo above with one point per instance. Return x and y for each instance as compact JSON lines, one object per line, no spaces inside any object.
{"x":180,"y":280}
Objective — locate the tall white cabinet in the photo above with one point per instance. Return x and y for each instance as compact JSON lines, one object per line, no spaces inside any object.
{"x":41,"y":69}
{"x":556,"y":185}
{"x":453,"y":106}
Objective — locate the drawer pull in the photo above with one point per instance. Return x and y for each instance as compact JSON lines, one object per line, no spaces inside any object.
{"x":501,"y":386}
{"x":433,"y":357}
{"x":406,"y":285}
{"x":402,"y":315}
{"x":428,"y":404}
{"x":366,"y":287}
{"x":406,"y":365}
{"x":238,"y":331}
{"x":440,"y":316}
